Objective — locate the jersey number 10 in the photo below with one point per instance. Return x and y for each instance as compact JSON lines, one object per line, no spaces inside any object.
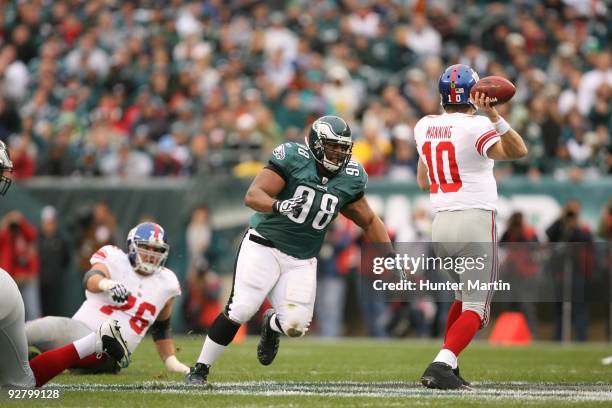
{"x":437,"y":179}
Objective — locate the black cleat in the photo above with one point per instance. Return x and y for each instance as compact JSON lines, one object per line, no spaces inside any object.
{"x":463,"y":381}
{"x":269,"y":340}
{"x":33,"y":352}
{"x":198,"y":375}
{"x":112,"y":343}
{"x":440,"y":376}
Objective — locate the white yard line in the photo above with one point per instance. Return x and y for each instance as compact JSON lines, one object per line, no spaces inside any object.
{"x":514,"y":390}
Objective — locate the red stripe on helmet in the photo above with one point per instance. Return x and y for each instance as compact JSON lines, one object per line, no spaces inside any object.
{"x":156,"y":231}
{"x":453,"y":93}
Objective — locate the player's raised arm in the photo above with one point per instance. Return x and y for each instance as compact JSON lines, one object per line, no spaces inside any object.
{"x":361,"y":214}
{"x":511,"y":146}
{"x":162,"y":336}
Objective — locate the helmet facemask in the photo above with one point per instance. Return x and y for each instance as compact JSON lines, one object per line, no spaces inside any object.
{"x":336,"y":154}
{"x":150,"y":257}
{"x":6,"y":166}
{"x":5,"y":181}
{"x":330,"y":150}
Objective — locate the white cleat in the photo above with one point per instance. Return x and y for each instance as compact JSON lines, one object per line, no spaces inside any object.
{"x":112,"y":343}
{"x":606,"y":360}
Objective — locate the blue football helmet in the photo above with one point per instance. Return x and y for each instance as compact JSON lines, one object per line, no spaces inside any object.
{"x":147,"y":248}
{"x":455,"y":85}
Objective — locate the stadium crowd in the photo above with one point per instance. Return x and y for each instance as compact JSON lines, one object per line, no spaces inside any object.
{"x":176,"y":88}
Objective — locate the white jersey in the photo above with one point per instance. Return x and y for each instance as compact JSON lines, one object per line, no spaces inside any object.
{"x":454,"y":147}
{"x":149,"y":294}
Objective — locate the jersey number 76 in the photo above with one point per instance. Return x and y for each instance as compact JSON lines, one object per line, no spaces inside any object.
{"x":437,"y":179}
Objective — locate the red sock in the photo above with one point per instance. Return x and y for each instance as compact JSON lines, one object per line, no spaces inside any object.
{"x":462,"y":332}
{"x":453,"y":314}
{"x":47,"y":365}
{"x":91,"y":361}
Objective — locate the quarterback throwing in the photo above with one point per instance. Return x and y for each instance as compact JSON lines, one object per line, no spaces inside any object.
{"x":457,"y":150}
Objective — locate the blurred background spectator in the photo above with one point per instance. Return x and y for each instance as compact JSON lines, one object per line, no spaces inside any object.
{"x":92,"y":227}
{"x":19,"y":257}
{"x":338,"y":258}
{"x":202,"y":302}
{"x":520,"y":265}
{"x":571,"y":265}
{"x":199,"y":236}
{"x":54,"y":251}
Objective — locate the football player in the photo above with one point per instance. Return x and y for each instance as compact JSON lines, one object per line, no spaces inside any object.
{"x":134,"y":288}
{"x":457,"y":150}
{"x":296,"y":197}
{"x":15,"y":370}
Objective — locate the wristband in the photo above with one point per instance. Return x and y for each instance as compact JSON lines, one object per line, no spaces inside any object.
{"x":106,"y":284}
{"x":276,"y":206}
{"x":501,"y":126}
{"x":173,"y":364}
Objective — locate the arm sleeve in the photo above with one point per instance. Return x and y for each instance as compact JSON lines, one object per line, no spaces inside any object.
{"x":107,"y":256}
{"x":275,"y":168}
{"x":101,"y":256}
{"x":174,"y":285}
{"x":486,"y":137}
{"x":357,"y":197}
{"x":358,"y":187}
{"x":280,"y":161}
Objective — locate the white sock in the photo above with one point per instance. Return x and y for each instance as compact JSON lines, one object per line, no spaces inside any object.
{"x":273,"y":324}
{"x":86,"y":346}
{"x":448,"y":357}
{"x":210,"y":352}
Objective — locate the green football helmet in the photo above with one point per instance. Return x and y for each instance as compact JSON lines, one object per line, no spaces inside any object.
{"x":330,"y":142}
{"x":6,"y":165}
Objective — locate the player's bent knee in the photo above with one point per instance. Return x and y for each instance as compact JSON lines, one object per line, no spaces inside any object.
{"x":241,"y":313}
{"x":295,"y":321}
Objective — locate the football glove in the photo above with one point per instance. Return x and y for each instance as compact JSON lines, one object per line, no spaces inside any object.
{"x":115,"y":291}
{"x":175,"y":366}
{"x":397,"y":272}
{"x":289,"y":206}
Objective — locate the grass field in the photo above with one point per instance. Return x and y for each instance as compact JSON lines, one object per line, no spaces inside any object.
{"x":355,"y":372}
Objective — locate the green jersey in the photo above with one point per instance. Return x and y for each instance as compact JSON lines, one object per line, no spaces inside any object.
{"x":301,"y":234}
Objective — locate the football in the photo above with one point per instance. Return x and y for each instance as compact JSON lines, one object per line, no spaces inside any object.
{"x":499,"y":89}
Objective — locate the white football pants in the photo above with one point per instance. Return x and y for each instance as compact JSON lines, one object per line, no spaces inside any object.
{"x":288,"y":282}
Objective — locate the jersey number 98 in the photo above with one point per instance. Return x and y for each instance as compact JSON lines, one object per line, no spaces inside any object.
{"x":325,"y":213}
